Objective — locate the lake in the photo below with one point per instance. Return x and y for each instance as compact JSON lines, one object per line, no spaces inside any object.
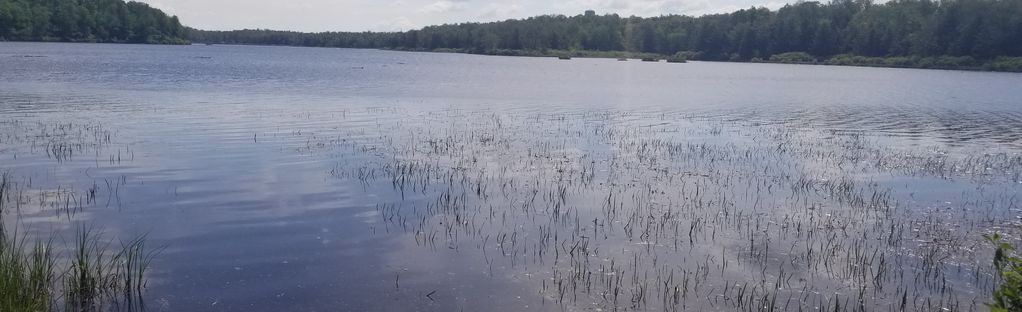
{"x":314,"y":179}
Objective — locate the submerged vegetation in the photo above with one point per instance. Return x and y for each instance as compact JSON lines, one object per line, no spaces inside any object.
{"x":607,"y":205}
{"x":692,"y":214}
{"x":84,"y":272}
{"x":607,"y":210}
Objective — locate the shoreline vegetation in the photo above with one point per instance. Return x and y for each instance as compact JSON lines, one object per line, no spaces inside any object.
{"x":965,"y":35}
{"x":91,"y":274}
{"x":981,"y":35}
{"x":85,"y":273}
{"x":999,"y":64}
{"x":549,"y":53}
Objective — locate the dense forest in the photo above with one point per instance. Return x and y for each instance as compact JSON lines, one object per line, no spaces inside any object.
{"x":87,"y":21}
{"x":980,"y":34}
{"x":909,"y":33}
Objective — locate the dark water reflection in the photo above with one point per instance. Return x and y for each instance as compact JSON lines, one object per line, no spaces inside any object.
{"x":321,"y":179}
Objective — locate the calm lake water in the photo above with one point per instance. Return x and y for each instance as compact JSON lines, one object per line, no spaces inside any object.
{"x":312,"y":179}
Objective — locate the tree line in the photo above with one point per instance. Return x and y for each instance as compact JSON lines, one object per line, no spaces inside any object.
{"x":904,"y":33}
{"x":88,"y":21}
{"x":979,"y":29}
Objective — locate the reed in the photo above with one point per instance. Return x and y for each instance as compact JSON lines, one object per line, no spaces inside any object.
{"x":36,"y":276}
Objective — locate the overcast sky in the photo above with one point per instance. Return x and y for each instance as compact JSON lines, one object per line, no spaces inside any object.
{"x":391,"y":15}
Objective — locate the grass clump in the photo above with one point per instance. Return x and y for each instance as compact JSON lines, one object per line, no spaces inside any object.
{"x":1008,"y":296}
{"x":26,"y":276}
{"x":89,"y":278}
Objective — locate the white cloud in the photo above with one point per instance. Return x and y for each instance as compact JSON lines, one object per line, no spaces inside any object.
{"x":400,"y":23}
{"x":500,"y":11}
{"x":445,"y":6}
{"x":646,"y":7}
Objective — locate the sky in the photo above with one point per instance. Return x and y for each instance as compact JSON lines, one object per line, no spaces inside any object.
{"x":398,"y":15}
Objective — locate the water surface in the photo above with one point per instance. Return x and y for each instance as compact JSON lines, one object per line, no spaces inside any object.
{"x":333,"y":179}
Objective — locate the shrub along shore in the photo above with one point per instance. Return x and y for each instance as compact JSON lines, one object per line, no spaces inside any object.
{"x":999,"y":64}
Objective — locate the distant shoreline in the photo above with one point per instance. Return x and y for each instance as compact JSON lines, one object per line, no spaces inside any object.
{"x":59,"y":40}
{"x":964,"y":63}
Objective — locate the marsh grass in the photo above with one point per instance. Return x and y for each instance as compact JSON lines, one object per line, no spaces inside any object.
{"x":695,"y":214}
{"x":605,"y":210}
{"x":34,"y":277}
{"x":91,"y":279}
{"x":26,"y":275}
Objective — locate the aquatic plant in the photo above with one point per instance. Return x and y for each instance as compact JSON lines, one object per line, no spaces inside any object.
{"x":89,"y":278}
{"x":37,"y":279}
{"x":1008,"y":296}
{"x":617,"y":216}
{"x":26,"y":276}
